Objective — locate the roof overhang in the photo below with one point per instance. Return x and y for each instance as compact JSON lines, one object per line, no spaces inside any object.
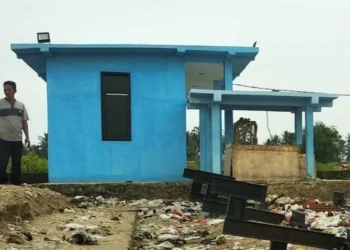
{"x":259,"y":100}
{"x":35,"y":54}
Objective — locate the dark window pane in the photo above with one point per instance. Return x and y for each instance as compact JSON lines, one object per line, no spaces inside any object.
{"x":116,"y":107}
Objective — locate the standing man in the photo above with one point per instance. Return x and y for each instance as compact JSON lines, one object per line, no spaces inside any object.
{"x":13,"y":119}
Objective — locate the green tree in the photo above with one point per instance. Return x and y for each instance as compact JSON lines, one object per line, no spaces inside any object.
{"x":42,"y":147}
{"x":192,"y":143}
{"x":347,"y":148}
{"x":274,"y":140}
{"x":287,"y":138}
{"x":329,"y":145}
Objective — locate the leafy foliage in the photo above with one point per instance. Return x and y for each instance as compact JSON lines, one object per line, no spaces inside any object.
{"x":274,"y":140}
{"x":41,"y":149}
{"x":194,"y":165}
{"x":332,"y":166}
{"x":347,"y":148}
{"x":288,"y":138}
{"x":328,"y":143}
{"x":32,"y":163}
{"x":34,"y":159}
{"x":192,"y":142}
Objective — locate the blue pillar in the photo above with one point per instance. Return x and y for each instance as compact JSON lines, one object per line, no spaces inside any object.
{"x":298,"y":127}
{"x":309,"y":127}
{"x":228,"y":73}
{"x":215,"y":139}
{"x":229,"y":127}
{"x":218,"y":85}
{"x":228,"y":79}
{"x":203,"y":113}
{"x":208,"y":140}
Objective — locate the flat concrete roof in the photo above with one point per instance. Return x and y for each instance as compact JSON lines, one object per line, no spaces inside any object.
{"x":34,"y":55}
{"x":259,"y":100}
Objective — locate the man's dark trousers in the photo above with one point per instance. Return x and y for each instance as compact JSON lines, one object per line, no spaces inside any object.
{"x":11,"y":149}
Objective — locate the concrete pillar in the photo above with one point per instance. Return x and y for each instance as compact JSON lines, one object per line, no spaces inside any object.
{"x":229,"y":127}
{"x":218,"y":85}
{"x":228,"y":73}
{"x":298,"y":127}
{"x":215,"y":139}
{"x":208,"y":139}
{"x":310,"y":154}
{"x":228,"y":79}
{"x":203,"y":161}
{"x":205,"y":139}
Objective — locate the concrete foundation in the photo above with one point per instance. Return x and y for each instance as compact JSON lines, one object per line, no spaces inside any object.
{"x":316,"y":189}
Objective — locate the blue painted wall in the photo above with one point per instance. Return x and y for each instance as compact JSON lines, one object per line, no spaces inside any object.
{"x":157,"y":151}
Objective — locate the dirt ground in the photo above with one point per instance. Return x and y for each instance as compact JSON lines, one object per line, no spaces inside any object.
{"x":34,"y":218}
{"x":21,"y":202}
{"x":322,"y":189}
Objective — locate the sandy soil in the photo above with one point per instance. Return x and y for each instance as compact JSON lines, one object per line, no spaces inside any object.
{"x":25,"y":203}
{"x":37,"y":219}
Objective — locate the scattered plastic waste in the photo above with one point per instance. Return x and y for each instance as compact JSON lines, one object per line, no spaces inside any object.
{"x":182,"y":225}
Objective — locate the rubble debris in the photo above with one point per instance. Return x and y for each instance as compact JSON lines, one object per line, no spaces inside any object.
{"x":115,"y":218}
{"x":28,"y":235}
{"x":316,"y":205}
{"x":82,"y":239}
{"x":15,"y":238}
{"x":219,"y":240}
{"x":78,"y":199}
{"x":83,"y":205}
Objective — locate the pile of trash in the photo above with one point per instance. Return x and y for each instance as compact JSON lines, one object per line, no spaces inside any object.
{"x":171,"y":225}
{"x":332,"y":220}
{"x":85,"y":202}
{"x":161,"y":225}
{"x":183,"y":225}
{"x":174,"y":225}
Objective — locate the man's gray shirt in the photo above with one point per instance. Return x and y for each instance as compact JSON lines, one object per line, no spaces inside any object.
{"x":11,"y":120}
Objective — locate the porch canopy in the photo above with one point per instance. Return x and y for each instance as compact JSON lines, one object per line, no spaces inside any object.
{"x":211,"y":102}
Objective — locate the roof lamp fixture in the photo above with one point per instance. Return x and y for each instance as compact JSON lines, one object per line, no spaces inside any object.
{"x":43,"y":37}
{"x":201,"y":74}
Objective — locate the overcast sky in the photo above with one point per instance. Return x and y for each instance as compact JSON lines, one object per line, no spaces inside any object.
{"x":304,"y":44}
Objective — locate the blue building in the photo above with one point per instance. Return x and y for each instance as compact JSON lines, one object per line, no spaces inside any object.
{"x":118,"y":112}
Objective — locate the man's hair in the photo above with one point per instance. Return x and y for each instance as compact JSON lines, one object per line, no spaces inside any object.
{"x":11,"y":83}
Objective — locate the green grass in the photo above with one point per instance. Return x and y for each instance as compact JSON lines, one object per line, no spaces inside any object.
{"x":194,"y":165}
{"x":327,"y":166}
